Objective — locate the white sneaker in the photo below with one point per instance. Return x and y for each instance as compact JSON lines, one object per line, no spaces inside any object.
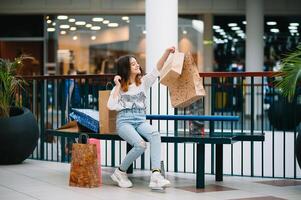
{"x":157,"y":181}
{"x":121,"y":178}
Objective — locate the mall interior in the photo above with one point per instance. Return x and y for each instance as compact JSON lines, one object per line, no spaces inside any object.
{"x":69,"y":50}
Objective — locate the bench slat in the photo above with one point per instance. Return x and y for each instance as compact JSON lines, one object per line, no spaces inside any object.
{"x":193,"y":117}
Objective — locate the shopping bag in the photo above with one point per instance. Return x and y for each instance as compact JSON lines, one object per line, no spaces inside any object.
{"x":107,"y":118}
{"x":84,"y":171}
{"x":97,"y":143}
{"x":172,"y":68}
{"x":188,"y":88}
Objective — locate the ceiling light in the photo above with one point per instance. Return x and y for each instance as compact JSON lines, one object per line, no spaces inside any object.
{"x":93,"y":37}
{"x":50,"y":29}
{"x":105,"y":21}
{"x":74,"y":37}
{"x":274,"y":30}
{"x":216,"y":27}
{"x":88,"y":25}
{"x":80,"y":23}
{"x":271,"y":23}
{"x":49,"y":21}
{"x":71,"y":20}
{"x":244,"y":22}
{"x":144,"y":32}
{"x":53,"y":24}
{"x":128,"y":21}
{"x":95,"y":28}
{"x":63,"y":32}
{"x":113,"y":25}
{"x":235,"y":28}
{"x":219,"y":30}
{"x":239,"y":31}
{"x":97,"y":19}
{"x":72,"y":28}
{"x":64,"y":26}
{"x":232,"y":24}
{"x":294,"y":24}
{"x":293,"y":27}
{"x":294,"y":31}
{"x":184,"y":32}
{"x":125,"y":18}
{"x":62,"y":17}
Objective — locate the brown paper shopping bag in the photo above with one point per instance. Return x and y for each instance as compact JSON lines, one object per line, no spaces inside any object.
{"x":188,"y":88}
{"x":172,"y":68}
{"x":107,"y":118}
{"x":84,"y":171}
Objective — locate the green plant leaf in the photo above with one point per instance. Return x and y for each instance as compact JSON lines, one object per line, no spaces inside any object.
{"x":9,"y":84}
{"x":290,"y":73}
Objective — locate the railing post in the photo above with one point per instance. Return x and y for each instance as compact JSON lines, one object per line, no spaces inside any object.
{"x":42,"y":123}
{"x":176,"y":144}
{"x":252,"y":124}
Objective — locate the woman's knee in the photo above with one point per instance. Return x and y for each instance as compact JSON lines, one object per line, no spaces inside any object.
{"x":140,"y":146}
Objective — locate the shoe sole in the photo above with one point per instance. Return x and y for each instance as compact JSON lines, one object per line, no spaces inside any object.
{"x":159,"y":187}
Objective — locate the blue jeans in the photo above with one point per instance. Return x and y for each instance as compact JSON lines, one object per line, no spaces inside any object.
{"x":131,"y":125}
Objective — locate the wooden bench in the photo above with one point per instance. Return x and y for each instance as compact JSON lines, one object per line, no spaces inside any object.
{"x":208,"y":138}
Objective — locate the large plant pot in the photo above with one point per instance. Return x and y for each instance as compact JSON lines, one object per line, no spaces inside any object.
{"x":284,"y":116}
{"x":298,"y":149}
{"x":19,"y":136}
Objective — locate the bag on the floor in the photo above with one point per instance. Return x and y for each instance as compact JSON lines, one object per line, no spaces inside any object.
{"x":97,"y":143}
{"x":107,"y":118}
{"x":189,"y":86}
{"x":84,"y":170}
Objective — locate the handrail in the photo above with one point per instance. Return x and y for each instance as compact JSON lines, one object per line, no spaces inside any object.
{"x":202,"y":74}
{"x":239,"y":74}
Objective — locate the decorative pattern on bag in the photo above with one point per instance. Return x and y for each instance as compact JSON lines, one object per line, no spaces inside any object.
{"x":84,"y":170}
{"x":86,"y":117}
{"x":188,"y":88}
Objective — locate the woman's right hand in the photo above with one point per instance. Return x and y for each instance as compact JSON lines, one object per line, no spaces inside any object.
{"x":117,"y":79}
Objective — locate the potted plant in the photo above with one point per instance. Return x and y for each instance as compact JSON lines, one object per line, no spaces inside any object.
{"x":290,"y":73}
{"x":19,"y":131}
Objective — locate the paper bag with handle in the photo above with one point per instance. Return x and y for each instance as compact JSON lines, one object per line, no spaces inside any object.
{"x":107,"y":118}
{"x":172,"y":68}
{"x":188,"y":88}
{"x":84,"y":171}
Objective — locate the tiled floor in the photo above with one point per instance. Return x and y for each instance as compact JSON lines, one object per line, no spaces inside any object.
{"x":49,"y":180}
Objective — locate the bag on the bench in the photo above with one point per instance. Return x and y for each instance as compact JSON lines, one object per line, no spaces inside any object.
{"x":189,"y":86}
{"x":86,"y":117}
{"x":84,"y":170}
{"x":107,"y":118}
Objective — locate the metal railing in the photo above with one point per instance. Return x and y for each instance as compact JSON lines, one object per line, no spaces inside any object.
{"x":251,"y":96}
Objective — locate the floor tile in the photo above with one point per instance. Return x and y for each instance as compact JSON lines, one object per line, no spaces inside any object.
{"x":208,"y":188}
{"x":281,"y":183}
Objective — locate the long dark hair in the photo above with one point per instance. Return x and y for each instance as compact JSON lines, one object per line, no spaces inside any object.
{"x":123,"y":66}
